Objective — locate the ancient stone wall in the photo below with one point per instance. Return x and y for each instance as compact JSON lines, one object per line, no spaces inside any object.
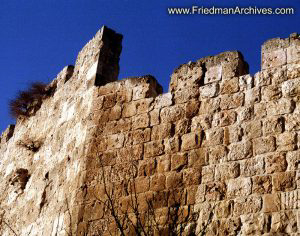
{"x":221,"y":143}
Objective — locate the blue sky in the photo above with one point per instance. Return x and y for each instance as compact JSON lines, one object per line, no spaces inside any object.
{"x":39,"y":38}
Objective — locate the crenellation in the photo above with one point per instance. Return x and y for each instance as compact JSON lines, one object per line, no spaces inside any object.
{"x":221,"y":143}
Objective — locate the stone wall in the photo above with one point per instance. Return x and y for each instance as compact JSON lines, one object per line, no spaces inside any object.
{"x":221,"y":143}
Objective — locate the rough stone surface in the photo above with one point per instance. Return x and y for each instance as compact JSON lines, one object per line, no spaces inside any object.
{"x":221,"y":143}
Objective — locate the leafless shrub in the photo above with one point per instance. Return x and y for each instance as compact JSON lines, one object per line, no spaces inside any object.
{"x":132,"y":218}
{"x":28,"y":102}
{"x":30,"y":145}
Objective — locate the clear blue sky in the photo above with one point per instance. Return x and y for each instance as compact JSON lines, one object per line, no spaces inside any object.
{"x":39,"y":38}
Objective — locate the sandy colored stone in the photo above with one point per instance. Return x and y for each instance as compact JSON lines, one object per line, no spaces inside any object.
{"x":275,"y":162}
{"x":154,"y":148}
{"x":264,"y":145}
{"x":239,"y":187}
{"x":262,"y":184}
{"x":284,"y":181}
{"x":271,"y":203}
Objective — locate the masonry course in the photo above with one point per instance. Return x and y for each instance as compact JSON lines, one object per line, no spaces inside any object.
{"x":227,"y":141}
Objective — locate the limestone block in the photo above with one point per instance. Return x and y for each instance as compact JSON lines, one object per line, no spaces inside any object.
{"x":293,"y":53}
{"x":172,"y":114}
{"x":147,"y":167}
{"x":280,"y":107}
{"x":190,"y":141}
{"x":232,"y":134}
{"x":191,"y":176}
{"x":275,"y":162}
{"x":162,"y":131}
{"x":286,"y":141}
{"x":182,"y":127}
{"x":109,"y":100}
{"x":255,"y":224}
{"x":215,"y":191}
{"x":293,"y":71}
{"x":201,"y":122}
{"x":262,"y":184}
{"x":158,"y":182}
{"x":227,"y":171}
{"x":260,"y":110}
{"x":172,"y":145}
{"x":115,"y":141}
{"x":213,"y":74}
{"x":271,"y":92}
{"x":291,"y":88}
{"x":230,"y":86}
{"x":247,"y":205}
{"x":246,"y":82}
{"x":174,"y":180}
{"x":239,"y":187}
{"x":209,"y":106}
{"x":224,"y":209}
{"x":224,"y":118}
{"x":209,"y":90}
{"x":214,"y":136}
{"x":163,"y":100}
{"x":240,"y":150}
{"x":263,"y":145}
{"x":191,"y":194}
{"x":208,"y":173}
{"x":7,"y":134}
{"x":284,"y":222}
{"x":144,"y":87}
{"x":252,"y":96}
{"x":185,"y":94}
{"x":232,"y":101}
{"x":154,"y":117}
{"x":154,"y":148}
{"x":252,"y":129}
{"x":197,"y":158}
{"x":141,"y":121}
{"x":271,"y":203}
{"x":293,"y":160}
{"x":179,"y":161}
{"x":192,"y":108}
{"x":253,"y":166}
{"x":292,"y":122}
{"x":290,"y":200}
{"x":141,"y":136}
{"x":284,"y":181}
{"x":262,"y":78}
{"x":142,"y":185}
{"x":163,"y":164}
{"x":131,"y":153}
{"x":273,"y":125}
{"x":274,"y":58}
{"x":217,"y":154}
{"x":144,"y":105}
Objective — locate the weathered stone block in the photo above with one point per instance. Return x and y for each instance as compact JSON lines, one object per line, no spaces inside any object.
{"x":179,"y":161}
{"x":141,"y":136}
{"x":232,"y":134}
{"x":162,"y":131}
{"x":154,"y":117}
{"x":247,"y":205}
{"x":284,"y":222}
{"x":263,"y":145}
{"x":140,"y":121}
{"x":213,"y":74}
{"x":208,"y":173}
{"x":224,"y":209}
{"x":284,"y":181}
{"x":240,"y":150}
{"x":280,"y":107}
{"x":197,"y":158}
{"x":131,"y":153}
{"x":186,"y":94}
{"x":260,"y":110}
{"x":252,"y":96}
{"x":154,"y":148}
{"x":252,"y":129}
{"x":255,"y":224}
{"x":286,"y":141}
{"x":191,"y":176}
{"x":201,"y":122}
{"x":163,"y":100}
{"x":227,"y":171}
{"x":174,"y":180}
{"x":293,"y":160}
{"x":215,"y":191}
{"x":144,"y":105}
{"x":290,"y":200}
{"x":292,"y":122}
{"x":274,"y":58}
{"x":129,"y":109}
{"x":190,"y":141}
{"x":115,"y":141}
{"x":172,"y":114}
{"x":192,"y":108}
{"x":246,"y":82}
{"x":214,"y":136}
{"x":217,"y":154}
{"x":239,"y":187}
{"x":209,"y":106}
{"x":262,"y":184}
{"x":275,"y":162}
{"x":224,"y":118}
{"x":252,"y":166}
{"x":172,"y":145}
{"x":273,"y":125}
{"x":183,"y":127}
{"x":270,"y":93}
{"x":142,"y":185}
{"x":163,"y":164}
{"x":158,"y":182}
{"x":209,"y":91}
{"x":232,"y":101}
{"x":147,"y":167}
{"x":230,"y":86}
{"x":271,"y":203}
